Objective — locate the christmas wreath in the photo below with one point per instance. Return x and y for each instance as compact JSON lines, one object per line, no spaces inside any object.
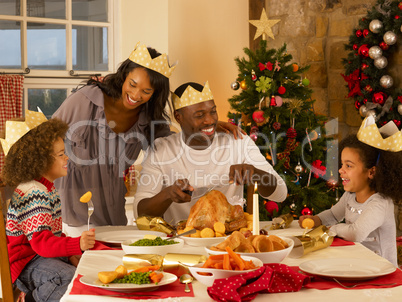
{"x":370,"y":83}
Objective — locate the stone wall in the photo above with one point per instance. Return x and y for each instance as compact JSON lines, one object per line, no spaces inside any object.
{"x":315,"y":32}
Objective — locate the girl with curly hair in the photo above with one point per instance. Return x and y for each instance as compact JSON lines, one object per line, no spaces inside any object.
{"x":371,"y":179}
{"x":42,"y":259}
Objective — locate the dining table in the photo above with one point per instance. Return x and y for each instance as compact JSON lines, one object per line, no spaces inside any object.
{"x":93,"y":261}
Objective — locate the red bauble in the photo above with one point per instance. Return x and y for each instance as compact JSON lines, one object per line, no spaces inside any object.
{"x":357,"y":104}
{"x":365,"y":32}
{"x":276,"y":125}
{"x":400,"y":5}
{"x":400,"y":98}
{"x":363,"y":51}
{"x":364,"y":66}
{"x":397,"y":123}
{"x":291,"y":133}
{"x":355,"y":47}
{"x":379,"y":97}
{"x":258,"y":116}
{"x":281,"y":90}
{"x":364,"y":101}
{"x":271,"y":207}
{"x":384,"y":46}
{"x":273,"y":102}
{"x":359,"y":33}
{"x":306,"y":211}
{"x":396,"y":17}
{"x":253,"y":77}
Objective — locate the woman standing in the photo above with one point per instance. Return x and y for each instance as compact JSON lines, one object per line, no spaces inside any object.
{"x":111,"y":121}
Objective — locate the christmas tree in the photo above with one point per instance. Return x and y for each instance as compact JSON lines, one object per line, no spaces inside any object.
{"x":276,"y":109}
{"x":370,"y":82}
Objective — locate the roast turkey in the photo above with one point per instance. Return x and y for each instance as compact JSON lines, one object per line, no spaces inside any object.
{"x":214,"y":207}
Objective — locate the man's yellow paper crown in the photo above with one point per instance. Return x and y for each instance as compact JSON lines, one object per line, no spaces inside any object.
{"x":192,"y":96}
{"x":141,"y":56}
{"x":17,"y":129}
{"x":371,"y":135}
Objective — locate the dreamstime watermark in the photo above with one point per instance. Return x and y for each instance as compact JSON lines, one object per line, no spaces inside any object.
{"x":115,"y":149}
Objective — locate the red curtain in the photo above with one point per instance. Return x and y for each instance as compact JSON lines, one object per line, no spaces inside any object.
{"x":11,"y":92}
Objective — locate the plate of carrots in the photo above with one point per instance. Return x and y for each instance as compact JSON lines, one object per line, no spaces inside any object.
{"x":223,"y":266}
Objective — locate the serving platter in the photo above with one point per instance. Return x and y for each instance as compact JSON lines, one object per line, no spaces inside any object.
{"x":347,"y":268}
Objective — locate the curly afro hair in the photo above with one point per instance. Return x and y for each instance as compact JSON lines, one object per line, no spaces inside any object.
{"x":32,"y":155}
{"x":387,"y":180}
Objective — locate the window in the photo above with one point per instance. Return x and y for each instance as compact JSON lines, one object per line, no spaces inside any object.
{"x":57,"y":44}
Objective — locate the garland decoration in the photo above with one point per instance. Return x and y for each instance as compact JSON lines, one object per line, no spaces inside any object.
{"x":369,"y":81}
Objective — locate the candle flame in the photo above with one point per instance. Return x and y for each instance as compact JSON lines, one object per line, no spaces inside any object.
{"x":255,"y":187}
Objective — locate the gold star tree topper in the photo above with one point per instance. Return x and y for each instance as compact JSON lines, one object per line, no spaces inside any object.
{"x":264,"y":26}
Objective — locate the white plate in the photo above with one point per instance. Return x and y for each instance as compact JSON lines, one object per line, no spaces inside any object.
{"x":127,"y":287}
{"x":118,"y":234}
{"x":202,"y":241}
{"x":347,"y":268}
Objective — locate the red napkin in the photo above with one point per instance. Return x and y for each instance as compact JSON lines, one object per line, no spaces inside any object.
{"x":341,"y":242}
{"x":323,"y":283}
{"x":101,"y":246}
{"x":175,"y":289}
{"x":270,"y":278}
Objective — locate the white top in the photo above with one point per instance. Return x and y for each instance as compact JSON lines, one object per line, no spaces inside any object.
{"x":372,"y":223}
{"x":172,"y":159}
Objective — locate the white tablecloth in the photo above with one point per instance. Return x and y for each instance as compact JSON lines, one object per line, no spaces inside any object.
{"x":95,"y":261}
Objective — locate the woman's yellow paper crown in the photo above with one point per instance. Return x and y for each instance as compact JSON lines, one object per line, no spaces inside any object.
{"x":17,"y":129}
{"x":371,"y":135}
{"x":141,"y":56}
{"x":192,"y":96}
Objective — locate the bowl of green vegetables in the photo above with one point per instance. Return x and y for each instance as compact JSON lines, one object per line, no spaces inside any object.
{"x":152,"y":245}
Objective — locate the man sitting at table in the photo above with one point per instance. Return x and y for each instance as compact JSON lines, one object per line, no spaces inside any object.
{"x":199,"y":157}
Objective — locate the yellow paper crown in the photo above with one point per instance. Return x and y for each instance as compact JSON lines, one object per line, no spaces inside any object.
{"x":17,"y":129}
{"x":371,"y":135}
{"x":192,"y":96}
{"x":141,"y":56}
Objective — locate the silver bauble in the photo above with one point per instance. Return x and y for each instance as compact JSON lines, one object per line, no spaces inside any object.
{"x":363,"y":110}
{"x":386,"y":81}
{"x":375,"y":52}
{"x":375,"y":26}
{"x":381,"y":62}
{"x":400,"y":109}
{"x":390,"y":38}
{"x":235,"y":85}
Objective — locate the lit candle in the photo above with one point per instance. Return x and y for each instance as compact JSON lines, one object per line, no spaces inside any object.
{"x":256,"y":212}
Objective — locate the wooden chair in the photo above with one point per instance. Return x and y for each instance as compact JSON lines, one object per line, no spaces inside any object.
{"x":8,"y":292}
